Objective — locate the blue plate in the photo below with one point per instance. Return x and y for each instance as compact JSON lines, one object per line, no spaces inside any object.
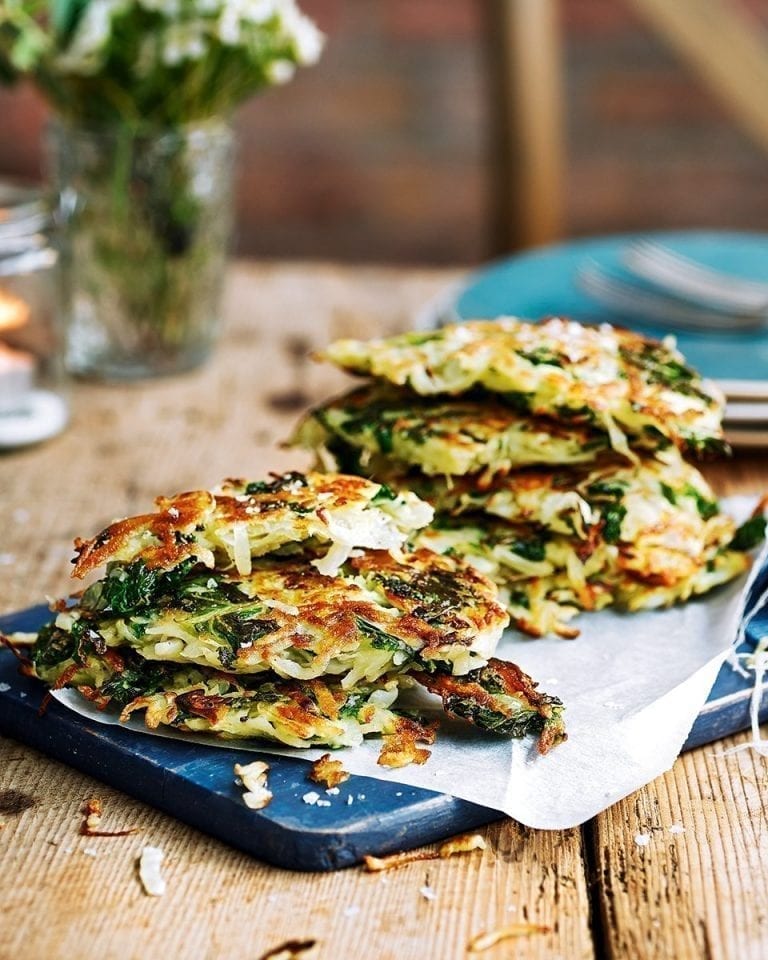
{"x":196,"y":784}
{"x":542,"y":282}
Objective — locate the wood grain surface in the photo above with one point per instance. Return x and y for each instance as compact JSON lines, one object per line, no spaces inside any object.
{"x":696,"y":887}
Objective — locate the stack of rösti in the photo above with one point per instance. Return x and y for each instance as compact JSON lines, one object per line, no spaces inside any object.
{"x":289,"y":610}
{"x":554,"y":455}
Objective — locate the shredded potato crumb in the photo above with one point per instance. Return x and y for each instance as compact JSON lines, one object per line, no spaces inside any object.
{"x":290,"y":950}
{"x":92,"y":813}
{"x":90,"y":825}
{"x":22,"y":639}
{"x":484,"y":941}
{"x":462,"y":844}
{"x":400,"y":747}
{"x":329,"y":772}
{"x":253,"y":777}
{"x":150,"y":861}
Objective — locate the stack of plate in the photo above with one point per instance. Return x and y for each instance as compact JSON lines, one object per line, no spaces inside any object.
{"x":545,"y":282}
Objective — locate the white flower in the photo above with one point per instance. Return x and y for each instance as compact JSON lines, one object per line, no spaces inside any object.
{"x":292,"y":25}
{"x":306,"y":37}
{"x":184,"y":41}
{"x":229,"y":27}
{"x":91,"y":36}
{"x":235,"y":14}
{"x":280,"y":71}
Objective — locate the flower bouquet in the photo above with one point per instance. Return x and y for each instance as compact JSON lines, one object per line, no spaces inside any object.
{"x":141,"y":156}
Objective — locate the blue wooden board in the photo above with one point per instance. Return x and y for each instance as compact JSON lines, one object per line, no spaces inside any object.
{"x":196,"y":783}
{"x":543,"y":281}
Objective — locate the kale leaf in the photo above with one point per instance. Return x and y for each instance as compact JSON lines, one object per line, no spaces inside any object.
{"x":613,"y":516}
{"x":278,"y":485}
{"x":750,"y":534}
{"x":130,"y":588}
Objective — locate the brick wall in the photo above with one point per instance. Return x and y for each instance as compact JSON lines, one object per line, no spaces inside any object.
{"x":380,"y":152}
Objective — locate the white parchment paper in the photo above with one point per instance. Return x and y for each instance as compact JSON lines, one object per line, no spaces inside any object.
{"x":632,"y":684}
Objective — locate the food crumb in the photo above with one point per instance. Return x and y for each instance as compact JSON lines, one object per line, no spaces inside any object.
{"x":333,"y":791}
{"x":92,"y":812}
{"x":322,"y":803}
{"x":328,"y":772}
{"x":90,"y":852}
{"x":253,"y":777}
{"x":150,"y":862}
{"x":465,"y":843}
{"x":90,"y":827}
{"x":311,"y":797}
{"x":484,"y":941}
{"x":4,"y":687}
{"x":350,"y":800}
{"x":642,"y":839}
{"x":361,"y":796}
{"x":677,"y":828}
{"x":428,"y":892}
{"x":290,"y":950}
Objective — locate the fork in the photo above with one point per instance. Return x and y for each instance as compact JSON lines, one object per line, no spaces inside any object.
{"x":692,"y":281}
{"x":629,"y":299}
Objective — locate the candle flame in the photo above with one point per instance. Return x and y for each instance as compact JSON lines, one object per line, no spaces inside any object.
{"x":14,"y":312}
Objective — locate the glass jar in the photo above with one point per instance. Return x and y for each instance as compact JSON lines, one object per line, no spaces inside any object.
{"x":143,"y":223}
{"x":33,"y":404}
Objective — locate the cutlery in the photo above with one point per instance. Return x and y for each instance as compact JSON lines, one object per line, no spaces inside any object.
{"x":628,"y":298}
{"x":690,"y":280}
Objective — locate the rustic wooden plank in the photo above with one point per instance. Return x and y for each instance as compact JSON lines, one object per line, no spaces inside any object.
{"x":680,"y":866}
{"x":126,"y":444}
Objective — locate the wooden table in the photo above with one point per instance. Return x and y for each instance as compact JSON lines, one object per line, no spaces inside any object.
{"x":698,"y":893}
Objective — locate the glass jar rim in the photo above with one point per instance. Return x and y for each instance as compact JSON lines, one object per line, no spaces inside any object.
{"x":209,"y":127}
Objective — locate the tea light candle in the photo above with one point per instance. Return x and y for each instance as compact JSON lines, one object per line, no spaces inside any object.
{"x":17,"y":370}
{"x":14,"y":312}
{"x":17,"y":367}
{"x":27,"y":415}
